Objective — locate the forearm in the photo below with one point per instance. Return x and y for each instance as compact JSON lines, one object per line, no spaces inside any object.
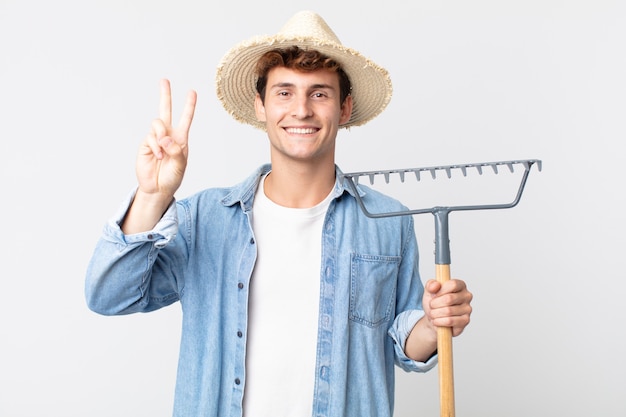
{"x":421,"y":343}
{"x":145,"y":212}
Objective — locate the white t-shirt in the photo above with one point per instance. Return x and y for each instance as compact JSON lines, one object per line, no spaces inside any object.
{"x":283,"y":309}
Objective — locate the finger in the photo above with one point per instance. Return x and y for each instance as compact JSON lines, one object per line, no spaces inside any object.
{"x":151,"y":145}
{"x":452,"y":286}
{"x":175,"y":151}
{"x":457,"y":323}
{"x":451,"y":316}
{"x":155,"y":137}
{"x":159,"y":129}
{"x":165,"y":106}
{"x":451,"y":300}
{"x":187,"y":117}
{"x":167,"y":145}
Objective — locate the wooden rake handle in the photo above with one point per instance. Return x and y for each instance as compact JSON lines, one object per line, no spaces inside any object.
{"x":444,"y":351}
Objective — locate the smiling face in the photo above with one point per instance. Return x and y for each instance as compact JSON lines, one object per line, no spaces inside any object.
{"x":302,"y":113}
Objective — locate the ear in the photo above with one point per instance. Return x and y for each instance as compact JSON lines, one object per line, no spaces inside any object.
{"x":346,"y":110}
{"x":259,"y":108}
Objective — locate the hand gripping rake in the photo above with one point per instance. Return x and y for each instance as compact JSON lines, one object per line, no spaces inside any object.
{"x":442,"y":245}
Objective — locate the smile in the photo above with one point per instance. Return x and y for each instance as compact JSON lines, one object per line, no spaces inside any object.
{"x":300,"y":130}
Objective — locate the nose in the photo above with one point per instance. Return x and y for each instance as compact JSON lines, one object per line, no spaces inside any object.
{"x":302,"y":107}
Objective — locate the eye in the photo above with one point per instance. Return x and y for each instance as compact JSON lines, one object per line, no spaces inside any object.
{"x":319,"y":94}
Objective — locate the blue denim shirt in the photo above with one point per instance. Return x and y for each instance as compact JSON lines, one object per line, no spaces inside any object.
{"x":202,"y":253}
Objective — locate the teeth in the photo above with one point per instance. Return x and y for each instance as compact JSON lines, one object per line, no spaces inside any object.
{"x":300,"y":131}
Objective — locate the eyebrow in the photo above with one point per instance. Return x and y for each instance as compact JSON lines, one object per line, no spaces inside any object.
{"x":312,"y":87}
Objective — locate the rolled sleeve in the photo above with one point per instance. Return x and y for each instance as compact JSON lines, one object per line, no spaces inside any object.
{"x":124,"y":274}
{"x":399,"y":332}
{"x":161,"y":234}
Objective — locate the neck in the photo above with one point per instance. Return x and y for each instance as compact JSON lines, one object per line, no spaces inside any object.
{"x":298,"y":186}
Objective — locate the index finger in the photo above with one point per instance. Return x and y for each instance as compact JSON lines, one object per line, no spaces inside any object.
{"x":165,"y":106}
{"x":453,"y":286}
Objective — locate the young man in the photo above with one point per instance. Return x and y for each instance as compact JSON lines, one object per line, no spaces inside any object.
{"x":294,"y":303}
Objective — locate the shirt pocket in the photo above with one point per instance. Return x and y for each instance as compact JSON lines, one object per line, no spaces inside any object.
{"x":372,"y":288}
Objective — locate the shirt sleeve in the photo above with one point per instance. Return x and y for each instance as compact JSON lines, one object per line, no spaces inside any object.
{"x":131,"y":273}
{"x":399,"y":332}
{"x":162,"y":233}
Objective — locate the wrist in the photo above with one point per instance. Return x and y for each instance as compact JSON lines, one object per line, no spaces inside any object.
{"x":145,"y":211}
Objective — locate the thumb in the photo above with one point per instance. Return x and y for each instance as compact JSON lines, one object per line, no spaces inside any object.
{"x":433,"y":286}
{"x":172,"y":148}
{"x":165,"y":142}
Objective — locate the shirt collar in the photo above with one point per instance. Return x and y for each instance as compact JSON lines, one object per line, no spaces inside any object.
{"x":243,"y":193}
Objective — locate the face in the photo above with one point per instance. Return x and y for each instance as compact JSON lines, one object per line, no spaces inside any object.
{"x":302,"y":114}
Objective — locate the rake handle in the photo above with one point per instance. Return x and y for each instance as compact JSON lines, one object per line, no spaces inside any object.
{"x":444,"y":351}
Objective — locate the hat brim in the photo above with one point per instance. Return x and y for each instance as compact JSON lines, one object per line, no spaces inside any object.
{"x":236,"y":78}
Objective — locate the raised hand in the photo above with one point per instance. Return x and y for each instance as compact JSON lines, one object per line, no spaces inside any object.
{"x":162,"y":157}
{"x":161,"y":163}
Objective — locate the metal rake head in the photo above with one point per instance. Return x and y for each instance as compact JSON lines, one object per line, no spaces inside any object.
{"x":353,"y":179}
{"x":440,"y":213}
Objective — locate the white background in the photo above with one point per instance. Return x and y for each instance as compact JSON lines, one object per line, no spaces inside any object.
{"x":473,"y":81}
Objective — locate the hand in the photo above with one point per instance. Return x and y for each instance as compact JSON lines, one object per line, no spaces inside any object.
{"x":447,"y":304}
{"x":162,"y":157}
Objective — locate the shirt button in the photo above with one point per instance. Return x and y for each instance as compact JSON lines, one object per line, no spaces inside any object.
{"x":150,"y":236}
{"x":237,"y":381}
{"x":252,"y":241}
{"x":240,"y":285}
{"x":239,"y":334}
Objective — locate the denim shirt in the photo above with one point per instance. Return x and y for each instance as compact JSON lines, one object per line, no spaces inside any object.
{"x":202,"y":253}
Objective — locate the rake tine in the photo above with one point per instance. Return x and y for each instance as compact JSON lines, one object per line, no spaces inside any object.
{"x":356,"y":176}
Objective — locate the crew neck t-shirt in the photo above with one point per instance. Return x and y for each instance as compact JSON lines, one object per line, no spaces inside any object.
{"x":283,"y":308}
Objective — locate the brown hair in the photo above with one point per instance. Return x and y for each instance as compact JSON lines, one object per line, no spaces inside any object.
{"x":301,"y":60}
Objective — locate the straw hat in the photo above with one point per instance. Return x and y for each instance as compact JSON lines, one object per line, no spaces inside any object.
{"x":236,"y":79}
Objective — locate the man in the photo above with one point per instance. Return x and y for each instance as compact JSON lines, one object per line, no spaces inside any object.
{"x":294,"y":303}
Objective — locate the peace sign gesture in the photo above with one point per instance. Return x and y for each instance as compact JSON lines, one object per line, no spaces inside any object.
{"x":161,"y":163}
{"x":163,"y":154}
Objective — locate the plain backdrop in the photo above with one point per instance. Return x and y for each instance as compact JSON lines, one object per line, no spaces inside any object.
{"x":474,"y":81}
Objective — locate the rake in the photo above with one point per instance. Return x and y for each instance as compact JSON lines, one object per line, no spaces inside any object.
{"x":442,"y":242}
